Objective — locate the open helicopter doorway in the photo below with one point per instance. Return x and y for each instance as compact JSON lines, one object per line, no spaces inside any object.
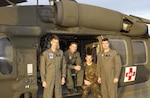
{"x":84,"y":43}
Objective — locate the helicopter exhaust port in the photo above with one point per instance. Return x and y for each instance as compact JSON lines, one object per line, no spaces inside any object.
{"x":133,"y":27}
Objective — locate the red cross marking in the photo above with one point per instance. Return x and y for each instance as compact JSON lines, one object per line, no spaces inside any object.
{"x":130,"y":74}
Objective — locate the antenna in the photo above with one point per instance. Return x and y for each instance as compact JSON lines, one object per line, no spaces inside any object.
{"x":37,"y":2}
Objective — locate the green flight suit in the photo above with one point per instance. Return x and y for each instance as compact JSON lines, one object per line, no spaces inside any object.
{"x":108,"y":67}
{"x":52,"y":69}
{"x":71,"y":61}
{"x":90,"y":74}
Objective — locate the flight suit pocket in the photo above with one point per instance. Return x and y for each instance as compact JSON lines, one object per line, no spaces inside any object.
{"x":49,"y":62}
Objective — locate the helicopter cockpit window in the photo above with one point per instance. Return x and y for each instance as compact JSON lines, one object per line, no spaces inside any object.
{"x":139,"y":52}
{"x":6,"y":56}
{"x":120,"y":46}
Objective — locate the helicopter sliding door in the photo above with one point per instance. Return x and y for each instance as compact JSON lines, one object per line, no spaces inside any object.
{"x":134,"y":53}
{"x":134,"y":76}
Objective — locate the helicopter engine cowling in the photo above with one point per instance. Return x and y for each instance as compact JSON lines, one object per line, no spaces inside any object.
{"x":70,"y":13}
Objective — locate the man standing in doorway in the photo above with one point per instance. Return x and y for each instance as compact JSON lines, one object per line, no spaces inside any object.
{"x":108,"y":67}
{"x":73,"y":61}
{"x":53,"y":69}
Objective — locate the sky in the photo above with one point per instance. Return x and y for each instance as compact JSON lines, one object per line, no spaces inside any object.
{"x":139,"y":8}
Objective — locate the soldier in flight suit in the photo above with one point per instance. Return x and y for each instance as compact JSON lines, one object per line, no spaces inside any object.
{"x":108,"y":67}
{"x":53,"y":69}
{"x":90,"y":78}
{"x":73,"y":61}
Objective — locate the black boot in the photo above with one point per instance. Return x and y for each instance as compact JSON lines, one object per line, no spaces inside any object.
{"x":71,"y":91}
{"x":79,"y":89}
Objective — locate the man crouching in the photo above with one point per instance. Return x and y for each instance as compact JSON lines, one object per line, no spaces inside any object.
{"x":90,"y":78}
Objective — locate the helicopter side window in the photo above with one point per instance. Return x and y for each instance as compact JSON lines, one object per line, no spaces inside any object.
{"x":139,"y":52}
{"x":6,"y":56}
{"x":120,"y":46}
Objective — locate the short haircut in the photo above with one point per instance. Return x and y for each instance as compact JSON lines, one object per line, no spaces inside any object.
{"x":55,"y":37}
{"x":89,"y":53}
{"x":73,"y":43}
{"x":105,"y":39}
